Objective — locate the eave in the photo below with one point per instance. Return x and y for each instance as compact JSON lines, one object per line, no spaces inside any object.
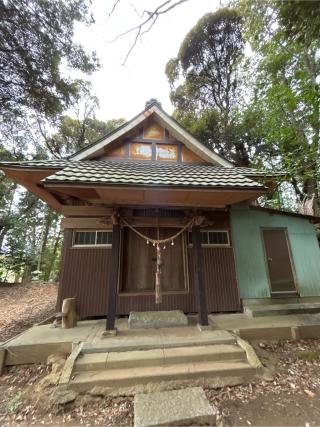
{"x":121,"y":195}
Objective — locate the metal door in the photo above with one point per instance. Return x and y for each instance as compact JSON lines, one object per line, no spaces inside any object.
{"x":279,"y":261}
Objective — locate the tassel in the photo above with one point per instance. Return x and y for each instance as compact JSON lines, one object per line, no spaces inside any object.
{"x":158,"y":276}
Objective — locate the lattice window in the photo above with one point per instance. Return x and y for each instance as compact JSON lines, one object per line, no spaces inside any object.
{"x":92,"y":238}
{"x":212,"y":238}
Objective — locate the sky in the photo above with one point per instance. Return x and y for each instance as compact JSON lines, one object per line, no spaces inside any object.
{"x":124,"y":89}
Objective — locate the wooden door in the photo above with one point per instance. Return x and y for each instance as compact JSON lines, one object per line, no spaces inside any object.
{"x":279,"y":261}
{"x":138,"y":263}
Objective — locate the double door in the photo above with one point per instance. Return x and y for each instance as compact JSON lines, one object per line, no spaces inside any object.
{"x":138,"y":261}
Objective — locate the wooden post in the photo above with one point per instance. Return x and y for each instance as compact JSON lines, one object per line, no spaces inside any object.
{"x":199,"y":276}
{"x":113,"y":278}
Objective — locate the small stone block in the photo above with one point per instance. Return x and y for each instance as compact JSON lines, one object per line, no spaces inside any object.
{"x":204,"y":327}
{"x":109,"y":333}
{"x":188,"y":406}
{"x":157,"y":319}
{"x":295,"y":332}
{"x":2,"y":359}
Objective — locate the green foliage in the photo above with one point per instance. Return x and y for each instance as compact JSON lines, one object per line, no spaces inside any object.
{"x":257,"y":106}
{"x":72,"y":134}
{"x":36,"y":37}
{"x":300,"y":19}
{"x":206,"y":82}
{"x":207,"y":61}
{"x":30,"y":236}
{"x":285,"y":42}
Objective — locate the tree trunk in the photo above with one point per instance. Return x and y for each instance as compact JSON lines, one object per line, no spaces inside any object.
{"x":53,"y":257}
{"x":44,"y":237}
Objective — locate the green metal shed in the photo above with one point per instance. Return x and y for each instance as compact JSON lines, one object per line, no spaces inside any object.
{"x":257,"y":235}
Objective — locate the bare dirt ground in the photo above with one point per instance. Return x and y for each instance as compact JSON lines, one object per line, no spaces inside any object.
{"x":23,"y":305}
{"x":287,"y":395}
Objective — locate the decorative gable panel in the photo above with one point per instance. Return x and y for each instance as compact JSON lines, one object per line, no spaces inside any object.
{"x":151,"y":142}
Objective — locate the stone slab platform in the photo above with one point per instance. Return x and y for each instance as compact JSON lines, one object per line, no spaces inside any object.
{"x":35,"y":344}
{"x":157,"y":319}
{"x":171,"y":408}
{"x":281,"y":309}
{"x":149,"y":339}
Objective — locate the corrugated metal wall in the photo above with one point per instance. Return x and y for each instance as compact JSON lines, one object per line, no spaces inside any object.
{"x":84,"y":275}
{"x":251,"y":262}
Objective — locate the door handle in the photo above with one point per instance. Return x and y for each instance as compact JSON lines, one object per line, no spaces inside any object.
{"x":270,"y":259}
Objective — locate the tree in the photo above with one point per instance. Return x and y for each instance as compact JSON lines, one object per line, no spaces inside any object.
{"x":36,"y":38}
{"x":206,"y":80}
{"x":72,"y":134}
{"x":287,"y":98}
{"x":30,"y":236}
{"x":146,"y":20}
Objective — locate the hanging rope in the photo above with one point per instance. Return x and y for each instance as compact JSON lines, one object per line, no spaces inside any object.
{"x":156,"y":242}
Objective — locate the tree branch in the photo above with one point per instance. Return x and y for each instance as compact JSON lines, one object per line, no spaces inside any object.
{"x":146,"y":25}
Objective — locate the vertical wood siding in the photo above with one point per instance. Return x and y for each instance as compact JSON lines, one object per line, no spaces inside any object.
{"x":85,"y":276}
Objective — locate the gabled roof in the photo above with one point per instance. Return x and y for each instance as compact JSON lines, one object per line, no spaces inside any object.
{"x":59,"y":164}
{"x":157,"y":174}
{"x":166,"y":121}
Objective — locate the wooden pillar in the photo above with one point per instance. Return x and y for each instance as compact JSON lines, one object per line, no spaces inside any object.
{"x":113,"y":278}
{"x":199,"y":276}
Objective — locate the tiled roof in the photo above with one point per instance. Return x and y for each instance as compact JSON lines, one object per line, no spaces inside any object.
{"x":37,"y":164}
{"x":120,"y":172}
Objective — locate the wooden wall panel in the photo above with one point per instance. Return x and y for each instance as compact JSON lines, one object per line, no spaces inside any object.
{"x":154,"y":131}
{"x":190,"y":157}
{"x":85,"y":275}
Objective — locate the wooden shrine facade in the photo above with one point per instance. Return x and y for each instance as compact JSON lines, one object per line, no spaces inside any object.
{"x":146,"y":180}
{"x":129,"y":265}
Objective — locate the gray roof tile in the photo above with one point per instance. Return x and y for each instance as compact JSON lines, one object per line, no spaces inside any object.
{"x":120,"y":172}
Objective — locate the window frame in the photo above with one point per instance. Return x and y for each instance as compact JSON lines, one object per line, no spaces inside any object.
{"x":212,"y":245}
{"x":91,"y":245}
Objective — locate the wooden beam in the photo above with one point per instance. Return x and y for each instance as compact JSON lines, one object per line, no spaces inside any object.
{"x":28,"y":179}
{"x":87,"y":223}
{"x":113,"y":278}
{"x":91,"y":210}
{"x":105,"y":222}
{"x":199,"y":276}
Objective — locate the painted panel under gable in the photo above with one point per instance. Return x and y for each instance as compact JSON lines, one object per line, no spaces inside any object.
{"x":151,"y":142}
{"x":250,"y":257}
{"x":189,"y":156}
{"x":153,"y":131}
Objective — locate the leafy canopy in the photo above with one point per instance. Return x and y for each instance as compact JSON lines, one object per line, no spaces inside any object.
{"x":36,"y":40}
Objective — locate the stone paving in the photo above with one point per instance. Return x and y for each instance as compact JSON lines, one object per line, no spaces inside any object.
{"x":183,"y":407}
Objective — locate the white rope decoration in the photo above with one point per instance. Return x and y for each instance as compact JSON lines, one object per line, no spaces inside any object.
{"x":158,"y":241}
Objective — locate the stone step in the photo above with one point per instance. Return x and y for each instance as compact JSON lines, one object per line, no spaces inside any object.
{"x":281,"y":309}
{"x":116,"y":378}
{"x":156,"y":357}
{"x":168,"y":338}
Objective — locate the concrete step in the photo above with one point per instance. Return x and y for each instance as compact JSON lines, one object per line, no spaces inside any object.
{"x":158,"y":357}
{"x":115,"y":378}
{"x":153,"y":339}
{"x":281,"y":309}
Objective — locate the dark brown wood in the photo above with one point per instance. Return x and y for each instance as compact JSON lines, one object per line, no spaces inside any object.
{"x":138,"y":264}
{"x":113,"y":280}
{"x":85,"y":271}
{"x":199,"y":276}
